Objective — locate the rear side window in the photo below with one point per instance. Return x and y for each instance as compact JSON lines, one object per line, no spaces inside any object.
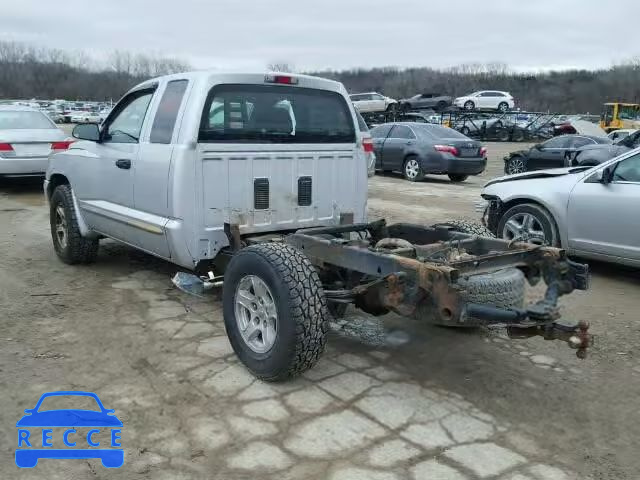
{"x":24,"y":120}
{"x":275,"y":114}
{"x":400,"y":131}
{"x":381,"y":132}
{"x":165,"y":119}
{"x":439,"y":131}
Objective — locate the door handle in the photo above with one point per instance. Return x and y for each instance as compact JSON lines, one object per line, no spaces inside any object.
{"x":410,"y":143}
{"x":123,"y":163}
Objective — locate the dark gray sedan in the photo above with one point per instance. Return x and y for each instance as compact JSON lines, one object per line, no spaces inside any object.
{"x":416,"y":149}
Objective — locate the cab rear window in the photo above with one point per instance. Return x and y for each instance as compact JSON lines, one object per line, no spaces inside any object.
{"x":275,"y":114}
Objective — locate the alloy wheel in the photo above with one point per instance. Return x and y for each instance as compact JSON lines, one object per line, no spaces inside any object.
{"x":256,"y":314}
{"x":516,"y":165}
{"x":524,"y":227}
{"x":61,"y":227}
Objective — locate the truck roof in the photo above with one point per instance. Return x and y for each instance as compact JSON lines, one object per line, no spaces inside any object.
{"x":238,"y":77}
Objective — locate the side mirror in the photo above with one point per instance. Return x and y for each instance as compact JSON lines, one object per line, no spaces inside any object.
{"x":537,"y":146}
{"x":606,"y":176}
{"x":87,"y":131}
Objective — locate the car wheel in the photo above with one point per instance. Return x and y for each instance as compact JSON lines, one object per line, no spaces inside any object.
{"x":529,"y":222}
{"x":70,"y":246}
{"x":392,"y":107}
{"x":440,"y":106}
{"x":405,"y":107}
{"x":518,"y":135}
{"x":469,"y":105}
{"x":466,"y":131}
{"x":457,"y":177}
{"x":502,"y":135}
{"x":275,"y":311}
{"x":412,"y":170}
{"x":503,"y":107}
{"x":516,"y":164}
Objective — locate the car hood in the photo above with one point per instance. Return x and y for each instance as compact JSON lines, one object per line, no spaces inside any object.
{"x":69,"y":418}
{"x":554,"y":172}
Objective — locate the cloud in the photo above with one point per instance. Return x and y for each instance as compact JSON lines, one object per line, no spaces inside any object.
{"x":333,"y":34}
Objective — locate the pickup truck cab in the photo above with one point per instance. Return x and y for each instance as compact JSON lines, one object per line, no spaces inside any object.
{"x":182,"y":158}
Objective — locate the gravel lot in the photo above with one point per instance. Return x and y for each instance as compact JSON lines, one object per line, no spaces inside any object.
{"x":391,"y":399}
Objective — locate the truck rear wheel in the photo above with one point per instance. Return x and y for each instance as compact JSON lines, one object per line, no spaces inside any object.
{"x":70,"y":246}
{"x":275,"y":311}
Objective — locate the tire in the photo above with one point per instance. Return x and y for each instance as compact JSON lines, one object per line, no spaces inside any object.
{"x":297,"y":298}
{"x":518,"y":136}
{"x":391,"y":108}
{"x":466,"y":226}
{"x":541,"y":231}
{"x":457,"y":177}
{"x":503,"y":107}
{"x":516,"y":164}
{"x":70,"y":246}
{"x":466,"y":131}
{"x":440,"y":106}
{"x":405,"y":107}
{"x":503,"y":288}
{"x":412,"y":170}
{"x":502,"y":135}
{"x":469,"y":105}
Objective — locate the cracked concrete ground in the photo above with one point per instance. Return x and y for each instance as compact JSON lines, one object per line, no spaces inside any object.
{"x":390,"y":399}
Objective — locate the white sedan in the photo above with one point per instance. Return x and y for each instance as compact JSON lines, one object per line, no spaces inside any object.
{"x":372,"y":102}
{"x":589,"y":211}
{"x":486,"y":100}
{"x":86,"y":117}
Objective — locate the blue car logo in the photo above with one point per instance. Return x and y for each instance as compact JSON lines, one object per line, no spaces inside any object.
{"x":29,"y":443}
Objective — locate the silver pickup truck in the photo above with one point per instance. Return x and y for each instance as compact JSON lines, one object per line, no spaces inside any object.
{"x":263,"y":179}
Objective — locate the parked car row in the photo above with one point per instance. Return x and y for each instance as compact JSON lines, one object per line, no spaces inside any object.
{"x":481,"y":100}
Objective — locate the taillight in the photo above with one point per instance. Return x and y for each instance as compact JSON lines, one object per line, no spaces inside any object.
{"x":282,"y":79}
{"x":61,"y":145}
{"x":6,"y":147}
{"x":483,"y":151}
{"x":367,"y":144}
{"x":447,"y":149}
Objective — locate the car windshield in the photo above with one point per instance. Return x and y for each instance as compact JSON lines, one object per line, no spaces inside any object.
{"x":69,"y":402}
{"x":275,"y":114}
{"x":21,"y":120}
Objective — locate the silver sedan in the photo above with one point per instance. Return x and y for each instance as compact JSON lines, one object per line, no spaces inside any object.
{"x":591,"y":212}
{"x":27,"y":137}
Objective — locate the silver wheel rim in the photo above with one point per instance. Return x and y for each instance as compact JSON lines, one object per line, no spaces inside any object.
{"x":468,"y":106}
{"x":516,"y":165}
{"x":503,"y":107}
{"x":61,"y":226}
{"x":256,"y":314}
{"x":411,"y":169}
{"x":524,"y":227}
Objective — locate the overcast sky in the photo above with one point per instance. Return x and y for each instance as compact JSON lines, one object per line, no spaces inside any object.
{"x":336,"y":34}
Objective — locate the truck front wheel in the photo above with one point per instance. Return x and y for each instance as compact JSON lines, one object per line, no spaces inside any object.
{"x":275,"y":311}
{"x":70,"y":246}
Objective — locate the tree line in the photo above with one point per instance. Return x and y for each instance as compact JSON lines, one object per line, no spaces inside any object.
{"x":27,"y":71}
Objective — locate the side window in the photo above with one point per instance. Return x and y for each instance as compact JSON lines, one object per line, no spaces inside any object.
{"x":486,"y":94}
{"x":366,"y":97}
{"x":381,"y":132}
{"x":400,"y":131}
{"x":165,"y":119}
{"x":628,"y":170}
{"x":125,"y":127}
{"x":355,"y":98}
{"x":557,"y":142}
{"x":377,"y":97}
{"x":577,"y":142}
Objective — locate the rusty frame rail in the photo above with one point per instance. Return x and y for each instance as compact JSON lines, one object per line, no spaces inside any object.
{"x":426,"y":289}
